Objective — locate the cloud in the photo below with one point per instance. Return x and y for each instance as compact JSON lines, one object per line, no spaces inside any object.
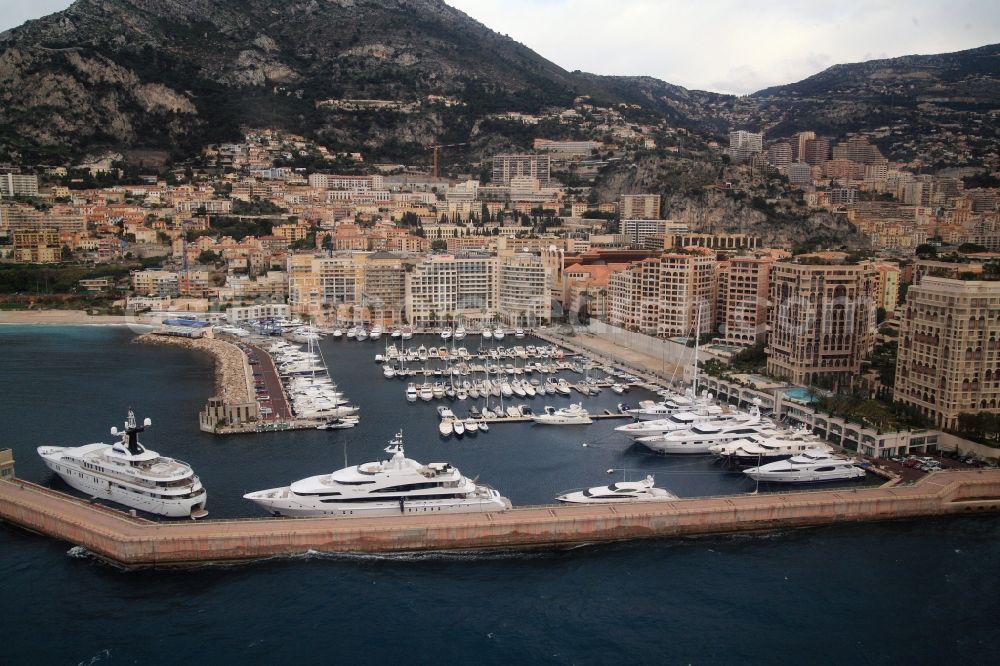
{"x":730,"y":45}
{"x":15,"y":12}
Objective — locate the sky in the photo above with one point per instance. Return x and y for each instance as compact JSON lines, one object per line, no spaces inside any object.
{"x":730,"y":46}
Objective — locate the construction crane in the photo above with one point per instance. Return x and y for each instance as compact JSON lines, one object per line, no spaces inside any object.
{"x":437,"y":153}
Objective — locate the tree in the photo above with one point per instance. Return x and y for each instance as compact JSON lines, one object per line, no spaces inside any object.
{"x":926,"y":251}
{"x":208,"y":257}
{"x":439,"y":244}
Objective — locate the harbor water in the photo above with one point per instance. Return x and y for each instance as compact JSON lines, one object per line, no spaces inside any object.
{"x":920,"y":592}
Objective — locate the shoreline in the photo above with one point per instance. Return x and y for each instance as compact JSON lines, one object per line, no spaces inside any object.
{"x":72,"y":318}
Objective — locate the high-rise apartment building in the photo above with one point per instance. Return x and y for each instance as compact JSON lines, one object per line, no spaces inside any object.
{"x":799,"y":173}
{"x":743,"y":144}
{"x":525,"y":285}
{"x":949,"y":349}
{"x":822,"y":320}
{"x":18,"y":185}
{"x":799,"y":146}
{"x":817,"y":151}
{"x":779,"y":155}
{"x":637,"y":231}
{"x":445,"y":288}
{"x":662,"y":295}
{"x":745,"y":299}
{"x":640,"y":207}
{"x":508,"y":166}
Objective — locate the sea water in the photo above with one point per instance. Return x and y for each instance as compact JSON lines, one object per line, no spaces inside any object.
{"x":902,"y":593}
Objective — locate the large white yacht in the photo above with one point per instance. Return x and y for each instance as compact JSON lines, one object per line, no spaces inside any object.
{"x":702,"y":437}
{"x":747,"y":453}
{"x":398,"y":485}
{"x":808,"y":467}
{"x":649,"y":410}
{"x":572,"y":415}
{"x":127,"y":473}
{"x":678,"y":421}
{"x":620,"y":493}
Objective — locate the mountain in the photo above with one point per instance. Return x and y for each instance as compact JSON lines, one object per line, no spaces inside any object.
{"x":177,"y":73}
{"x":923,"y":104}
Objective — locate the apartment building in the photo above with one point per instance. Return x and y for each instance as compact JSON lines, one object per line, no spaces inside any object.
{"x":743,"y":144}
{"x":661,"y":295}
{"x":508,"y":166}
{"x":524,"y":290}
{"x":745,"y":299}
{"x":822,"y":320}
{"x":18,"y":185}
{"x":779,"y":155}
{"x":949,"y":349}
{"x":326,"y":181}
{"x":640,"y":207}
{"x":445,"y":288}
{"x":154,"y":283}
{"x":637,"y":231}
{"x":37,"y":246}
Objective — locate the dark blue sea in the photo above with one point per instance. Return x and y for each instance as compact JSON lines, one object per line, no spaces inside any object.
{"x":924,"y":592}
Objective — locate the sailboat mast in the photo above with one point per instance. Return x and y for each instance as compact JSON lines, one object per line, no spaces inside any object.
{"x":697,"y":340}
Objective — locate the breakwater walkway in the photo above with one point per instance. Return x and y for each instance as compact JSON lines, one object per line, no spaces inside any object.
{"x":136,"y":542}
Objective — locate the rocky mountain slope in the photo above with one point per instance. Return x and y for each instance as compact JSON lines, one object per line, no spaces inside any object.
{"x":176,"y":74}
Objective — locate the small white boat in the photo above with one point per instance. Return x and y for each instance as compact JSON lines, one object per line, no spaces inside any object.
{"x":362,"y":334}
{"x":411,"y":392}
{"x":460,"y":333}
{"x":445,"y":428}
{"x":339,"y":424}
{"x":388,"y":372}
{"x":498,"y":333}
{"x":446,"y":334}
{"x":458,"y":426}
{"x":352,"y":332}
{"x":471,"y":426}
{"x":407,"y":332}
{"x":518,"y":332}
{"x":396,"y":333}
{"x":376,"y":332}
{"x":483,"y":425}
{"x":337,"y":334}
{"x":487,"y":333}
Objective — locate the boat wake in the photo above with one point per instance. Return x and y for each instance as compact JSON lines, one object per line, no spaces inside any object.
{"x":100,"y":656}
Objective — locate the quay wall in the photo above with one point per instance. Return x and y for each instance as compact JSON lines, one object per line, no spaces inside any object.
{"x":127,"y":540}
{"x":231,"y":369}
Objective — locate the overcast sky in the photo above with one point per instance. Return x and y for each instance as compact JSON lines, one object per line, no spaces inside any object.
{"x":732,"y":46}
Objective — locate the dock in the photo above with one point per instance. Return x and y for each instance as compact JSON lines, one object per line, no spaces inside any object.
{"x":134,"y":542}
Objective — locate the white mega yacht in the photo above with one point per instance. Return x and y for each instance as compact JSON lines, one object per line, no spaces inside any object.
{"x":677,"y":421}
{"x":702,"y":437}
{"x":808,"y":467}
{"x":747,"y":453}
{"x":620,"y":493}
{"x":130,"y":474}
{"x":649,"y":410}
{"x":398,"y":485}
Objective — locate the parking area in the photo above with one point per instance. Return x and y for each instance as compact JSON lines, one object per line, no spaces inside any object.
{"x":267,"y":385}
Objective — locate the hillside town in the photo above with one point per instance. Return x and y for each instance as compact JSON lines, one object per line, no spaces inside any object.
{"x":279,"y":226}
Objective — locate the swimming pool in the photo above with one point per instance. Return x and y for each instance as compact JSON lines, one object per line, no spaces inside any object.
{"x":800,"y":394}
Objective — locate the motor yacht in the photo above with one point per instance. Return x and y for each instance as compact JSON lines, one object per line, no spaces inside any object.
{"x":679,"y":421}
{"x":487,"y":333}
{"x":751,"y":453}
{"x":446,"y":334}
{"x":127,"y":473}
{"x":376,"y":332}
{"x":460,"y":333}
{"x":398,"y":485}
{"x":572,"y":415}
{"x":518,"y":332}
{"x":702,"y":437}
{"x":807,"y":467}
{"x":407,"y":332}
{"x":622,"y":492}
{"x":498,"y":333}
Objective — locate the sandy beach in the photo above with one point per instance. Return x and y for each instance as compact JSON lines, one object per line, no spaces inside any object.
{"x":73,"y":318}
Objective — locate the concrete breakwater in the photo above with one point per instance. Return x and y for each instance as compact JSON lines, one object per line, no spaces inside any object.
{"x":230,"y":364}
{"x":135,"y":542}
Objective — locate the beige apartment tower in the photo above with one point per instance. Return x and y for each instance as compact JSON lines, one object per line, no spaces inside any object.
{"x":822,"y":320}
{"x":949,"y":348}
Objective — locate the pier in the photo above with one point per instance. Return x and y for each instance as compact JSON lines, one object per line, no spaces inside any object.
{"x":136,"y":542}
